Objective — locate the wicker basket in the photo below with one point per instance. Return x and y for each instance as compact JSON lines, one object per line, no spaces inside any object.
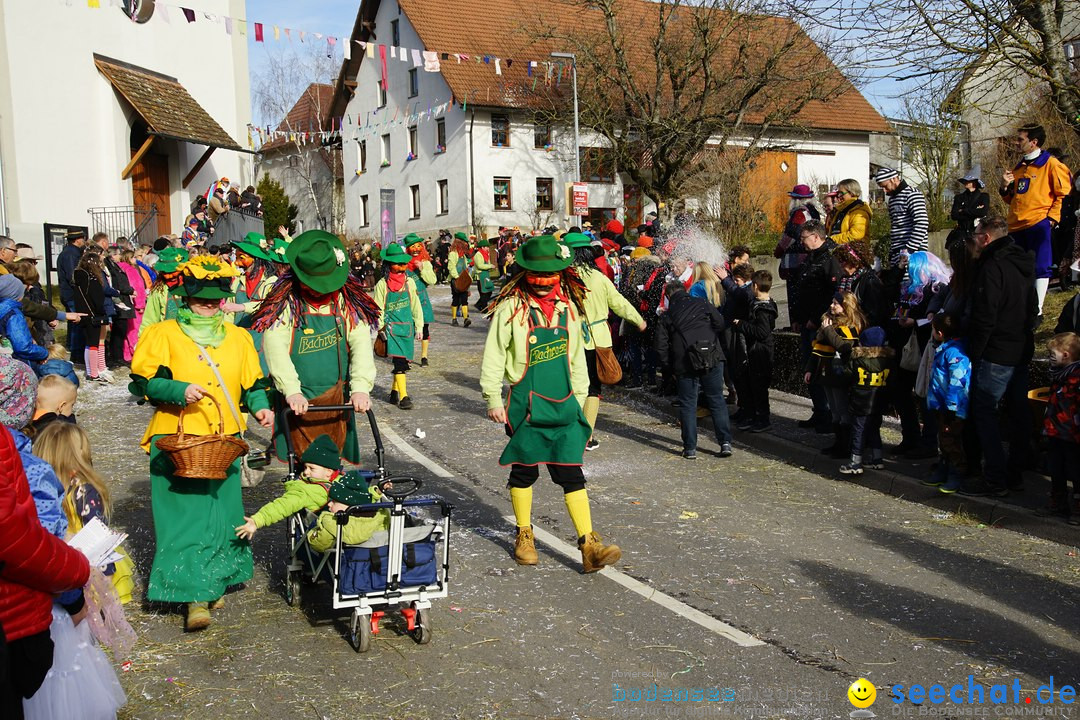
{"x":205,"y":457}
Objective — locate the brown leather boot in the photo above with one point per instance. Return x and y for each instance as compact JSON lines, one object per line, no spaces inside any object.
{"x":595,"y":554}
{"x":524,"y":549}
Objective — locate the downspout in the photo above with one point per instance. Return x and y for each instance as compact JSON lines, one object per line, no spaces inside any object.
{"x":472,"y":187}
{"x":3,"y":196}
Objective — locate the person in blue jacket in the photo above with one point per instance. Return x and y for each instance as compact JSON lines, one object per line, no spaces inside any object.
{"x":13,"y":324}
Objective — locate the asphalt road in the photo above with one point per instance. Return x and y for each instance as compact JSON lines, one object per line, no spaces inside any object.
{"x":818,"y":581}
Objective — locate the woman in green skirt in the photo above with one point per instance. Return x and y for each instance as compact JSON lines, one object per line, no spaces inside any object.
{"x":178,"y":364}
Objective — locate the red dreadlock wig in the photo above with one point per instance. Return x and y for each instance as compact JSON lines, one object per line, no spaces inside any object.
{"x":288,"y":294}
{"x":567,"y":286}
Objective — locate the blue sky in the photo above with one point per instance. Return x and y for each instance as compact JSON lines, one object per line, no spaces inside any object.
{"x":336,"y":17}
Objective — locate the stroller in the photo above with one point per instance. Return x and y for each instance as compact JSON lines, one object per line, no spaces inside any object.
{"x":405,"y":567}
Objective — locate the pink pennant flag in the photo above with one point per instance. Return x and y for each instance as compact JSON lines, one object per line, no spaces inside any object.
{"x":417,"y":61}
{"x":288,"y":34}
{"x":258,"y":32}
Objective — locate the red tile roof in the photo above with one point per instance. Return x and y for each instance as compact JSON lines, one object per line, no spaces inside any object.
{"x":494,"y":28}
{"x":168,"y":108}
{"x":310,"y":113}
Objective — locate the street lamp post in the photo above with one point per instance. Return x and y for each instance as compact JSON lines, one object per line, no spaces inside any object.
{"x":577,"y":132}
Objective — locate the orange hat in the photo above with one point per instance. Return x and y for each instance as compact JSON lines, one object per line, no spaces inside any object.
{"x":644,"y":241}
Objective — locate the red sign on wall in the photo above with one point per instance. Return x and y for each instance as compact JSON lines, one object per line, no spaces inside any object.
{"x":581,"y":199}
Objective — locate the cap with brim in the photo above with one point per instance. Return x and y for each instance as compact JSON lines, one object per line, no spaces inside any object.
{"x":170,"y":259}
{"x":75,"y":235}
{"x":801,"y":191}
{"x":318,"y":259}
{"x":544,"y":253}
{"x":28,"y":254}
{"x":255,"y":245}
{"x":576,"y":240}
{"x":483,"y":242}
{"x":461,"y":236}
{"x":395,"y":255}
{"x":411,"y":239}
{"x":207,"y":277}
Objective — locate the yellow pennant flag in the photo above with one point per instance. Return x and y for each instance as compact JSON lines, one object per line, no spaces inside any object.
{"x":277,"y":33}
{"x":93,"y":3}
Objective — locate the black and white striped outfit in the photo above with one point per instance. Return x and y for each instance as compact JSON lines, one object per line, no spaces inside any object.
{"x":910,"y":222}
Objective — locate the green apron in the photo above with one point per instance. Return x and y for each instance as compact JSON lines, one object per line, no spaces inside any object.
{"x":544,"y":418}
{"x":320,"y":354}
{"x":398,"y":320}
{"x":484,"y":283}
{"x":422,"y":293}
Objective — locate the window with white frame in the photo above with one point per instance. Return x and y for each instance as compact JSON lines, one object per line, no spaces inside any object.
{"x":414,"y":149}
{"x":363,"y":211}
{"x":382,"y":94}
{"x":361,"y":156}
{"x":414,"y":196}
{"x":385,"y":150}
{"x":500,"y":130}
{"x":440,"y":135}
{"x":444,"y":197}
{"x":545,"y":194}
{"x":501,"y":187}
{"x":414,"y":83}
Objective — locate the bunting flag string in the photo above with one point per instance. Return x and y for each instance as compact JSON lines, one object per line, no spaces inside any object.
{"x":428,"y":60}
{"x":348,"y":127}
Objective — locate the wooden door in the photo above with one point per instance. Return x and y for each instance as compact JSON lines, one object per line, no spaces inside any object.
{"x":150,"y":186}
{"x":770,"y":179}
{"x":632,"y":206}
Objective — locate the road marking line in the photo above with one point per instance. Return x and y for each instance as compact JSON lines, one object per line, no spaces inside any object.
{"x":565,"y":549}
{"x":660,"y":598}
{"x":412,"y":452}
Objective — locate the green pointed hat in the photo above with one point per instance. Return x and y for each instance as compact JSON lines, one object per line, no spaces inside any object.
{"x":170,"y":259}
{"x":319,"y":261}
{"x":395,"y":255}
{"x":256,"y":245}
{"x":350,"y":489}
{"x":323,"y":452}
{"x":544,"y":253}
{"x":576,"y":240}
{"x":411,"y":239}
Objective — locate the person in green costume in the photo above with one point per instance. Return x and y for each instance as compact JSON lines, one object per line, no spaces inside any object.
{"x":316,"y":324}
{"x":535,"y":343}
{"x":178,"y":365}
{"x":457,"y":263}
{"x":603,"y":299}
{"x":262,"y":263}
{"x":482,"y":267}
{"x":400,"y":317}
{"x":423,"y":274}
{"x":160,"y":305}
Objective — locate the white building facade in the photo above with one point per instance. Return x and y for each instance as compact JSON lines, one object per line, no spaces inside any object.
{"x":81,"y":97}
{"x":480,"y":165}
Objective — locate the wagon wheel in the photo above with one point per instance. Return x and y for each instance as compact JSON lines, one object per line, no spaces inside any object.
{"x":292,"y":588}
{"x":421,"y":633}
{"x":360,"y":633}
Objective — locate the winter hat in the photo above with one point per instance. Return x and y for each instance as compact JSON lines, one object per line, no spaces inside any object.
{"x":11,"y":288}
{"x":801,"y":191}
{"x":350,"y":489}
{"x":838,"y":298}
{"x":644,"y":241}
{"x":973,"y":175}
{"x":872,"y":337}
{"x":614,"y":226}
{"x":885,"y":173}
{"x":322,"y":452}
{"x":18,"y":392}
{"x":639,"y":252}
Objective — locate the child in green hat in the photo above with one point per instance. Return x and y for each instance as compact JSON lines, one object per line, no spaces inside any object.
{"x":313,"y":490}
{"x":349,"y":490}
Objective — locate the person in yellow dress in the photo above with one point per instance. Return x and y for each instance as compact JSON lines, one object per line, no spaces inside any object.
{"x":178,"y":364}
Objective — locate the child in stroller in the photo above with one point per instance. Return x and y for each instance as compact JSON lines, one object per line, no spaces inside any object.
{"x":322,"y":483}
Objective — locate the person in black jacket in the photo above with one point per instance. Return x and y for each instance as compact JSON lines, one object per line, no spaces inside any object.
{"x":753,"y":370}
{"x":971,"y":205}
{"x":66,"y":263}
{"x":124,"y":306}
{"x":809,"y":294}
{"x":1000,"y":340}
{"x":857,"y":276}
{"x":91,"y":290}
{"x":688,"y":343}
{"x":871,"y":363}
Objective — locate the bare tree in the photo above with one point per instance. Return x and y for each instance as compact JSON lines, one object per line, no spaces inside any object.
{"x":933,"y":137}
{"x":997,"y":47}
{"x":660,"y":80}
{"x":293,"y":93}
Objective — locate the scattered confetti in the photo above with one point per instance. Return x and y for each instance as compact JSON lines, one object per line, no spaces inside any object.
{"x":126,"y":666}
{"x":688,"y":515}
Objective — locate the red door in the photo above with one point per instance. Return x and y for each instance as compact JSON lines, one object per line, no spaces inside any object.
{"x":150,"y":187}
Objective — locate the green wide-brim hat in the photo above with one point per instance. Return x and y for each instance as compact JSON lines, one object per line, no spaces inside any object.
{"x":461,"y":236}
{"x":219,"y":289}
{"x":253,"y":245}
{"x":483,"y":242}
{"x":576,"y":240}
{"x":319,"y":261}
{"x":350,"y":489}
{"x":544,"y":253}
{"x":395,"y":255}
{"x":411,"y":239}
{"x":323,"y":452}
{"x":170,"y":259}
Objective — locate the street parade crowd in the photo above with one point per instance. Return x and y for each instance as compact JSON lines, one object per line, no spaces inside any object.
{"x":219,"y":337}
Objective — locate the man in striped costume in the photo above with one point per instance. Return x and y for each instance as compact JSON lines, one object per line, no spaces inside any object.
{"x":910,"y":231}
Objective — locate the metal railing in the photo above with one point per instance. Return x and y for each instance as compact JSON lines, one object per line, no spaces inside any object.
{"x":134,"y":222}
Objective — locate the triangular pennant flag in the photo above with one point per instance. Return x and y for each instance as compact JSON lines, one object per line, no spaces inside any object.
{"x":277,"y":33}
{"x":302,"y":34}
{"x":189,"y":14}
{"x":258,"y":32}
{"x":288,"y":34}
{"x":509,"y":62}
{"x":529,"y":67}
{"x":93,"y":3}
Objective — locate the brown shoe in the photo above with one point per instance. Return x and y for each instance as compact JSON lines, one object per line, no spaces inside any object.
{"x":595,"y":554}
{"x":198,"y":617}
{"x":524,"y":548}
{"x":218,"y":604}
